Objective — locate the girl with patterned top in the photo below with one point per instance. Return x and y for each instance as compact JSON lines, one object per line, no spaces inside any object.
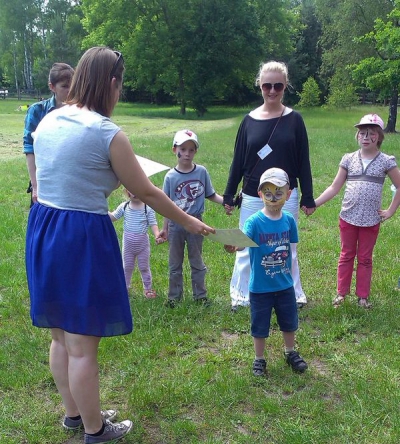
{"x":138,"y":217}
{"x":364,"y":172}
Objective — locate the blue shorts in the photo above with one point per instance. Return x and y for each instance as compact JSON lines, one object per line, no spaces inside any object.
{"x":284,"y":304}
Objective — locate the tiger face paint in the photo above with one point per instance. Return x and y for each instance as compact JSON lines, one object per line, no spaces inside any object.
{"x":273,"y":196}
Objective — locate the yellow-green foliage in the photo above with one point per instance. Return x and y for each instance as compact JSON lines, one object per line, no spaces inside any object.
{"x":310,"y":94}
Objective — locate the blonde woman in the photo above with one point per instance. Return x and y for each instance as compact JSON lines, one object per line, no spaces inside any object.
{"x":272,"y":135}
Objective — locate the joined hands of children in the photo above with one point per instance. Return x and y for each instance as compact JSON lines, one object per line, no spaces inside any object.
{"x":160,"y":240}
{"x":228,"y":209}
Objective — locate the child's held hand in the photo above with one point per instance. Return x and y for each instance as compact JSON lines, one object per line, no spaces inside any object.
{"x":162,"y":237}
{"x":228,"y":209}
{"x":160,"y":240}
{"x":230,"y":248}
{"x":308,"y":211}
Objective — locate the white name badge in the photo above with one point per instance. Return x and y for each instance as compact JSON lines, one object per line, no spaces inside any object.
{"x":263,"y":153}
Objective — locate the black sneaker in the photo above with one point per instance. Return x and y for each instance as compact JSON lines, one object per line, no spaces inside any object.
{"x":259,"y":367}
{"x":205,"y":302}
{"x":112,"y":432}
{"x":296,"y":362}
{"x":171,"y":303}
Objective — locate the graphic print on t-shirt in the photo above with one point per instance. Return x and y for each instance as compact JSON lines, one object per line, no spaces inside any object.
{"x":274,"y":262}
{"x":187,"y":192}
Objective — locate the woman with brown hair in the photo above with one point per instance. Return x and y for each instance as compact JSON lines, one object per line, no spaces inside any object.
{"x":73,"y":260}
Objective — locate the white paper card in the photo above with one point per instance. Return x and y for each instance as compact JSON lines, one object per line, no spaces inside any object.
{"x":150,"y":167}
{"x":263,"y":153}
{"x":233,"y":236}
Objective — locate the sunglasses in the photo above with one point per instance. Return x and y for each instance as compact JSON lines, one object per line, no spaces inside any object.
{"x":278,"y":87}
{"x":119,"y":60}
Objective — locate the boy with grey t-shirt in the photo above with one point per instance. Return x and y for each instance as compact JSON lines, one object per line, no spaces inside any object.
{"x":188,"y":185}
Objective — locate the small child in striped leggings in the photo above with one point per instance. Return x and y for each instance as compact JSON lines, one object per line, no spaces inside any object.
{"x":138,"y":217}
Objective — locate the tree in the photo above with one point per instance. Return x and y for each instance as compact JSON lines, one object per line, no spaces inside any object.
{"x":342,"y":93}
{"x":34,"y":34}
{"x":19,"y":25}
{"x":342,"y":22}
{"x":196,"y":55}
{"x":310,"y":94}
{"x":382,"y":71}
{"x":195,"y":51}
{"x":307,"y":58}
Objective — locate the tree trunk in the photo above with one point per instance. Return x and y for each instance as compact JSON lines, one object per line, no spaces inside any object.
{"x":391,"y":124}
{"x":15,"y":63}
{"x":182,"y":93}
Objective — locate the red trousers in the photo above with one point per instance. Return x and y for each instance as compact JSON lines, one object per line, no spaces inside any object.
{"x":360,"y":242}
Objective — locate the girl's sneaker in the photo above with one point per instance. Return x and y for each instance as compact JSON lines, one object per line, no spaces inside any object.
{"x":76,"y":424}
{"x":112,"y":432}
{"x":364,"y":303}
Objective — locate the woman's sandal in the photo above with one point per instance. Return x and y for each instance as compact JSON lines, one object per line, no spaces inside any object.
{"x":150,"y":294}
{"x":363,"y":302}
{"x":339,"y":299}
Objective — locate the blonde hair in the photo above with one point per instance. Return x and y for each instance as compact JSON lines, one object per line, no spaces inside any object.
{"x":273,"y":66}
{"x":378,"y":129}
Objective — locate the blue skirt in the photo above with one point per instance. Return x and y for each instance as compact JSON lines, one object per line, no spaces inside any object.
{"x":75,"y":274}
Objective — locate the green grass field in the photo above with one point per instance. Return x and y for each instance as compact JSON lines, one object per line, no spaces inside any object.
{"x":184,"y":375}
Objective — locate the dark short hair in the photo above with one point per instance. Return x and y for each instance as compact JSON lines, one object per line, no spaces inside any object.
{"x":60,"y":72}
{"x":91,"y":84}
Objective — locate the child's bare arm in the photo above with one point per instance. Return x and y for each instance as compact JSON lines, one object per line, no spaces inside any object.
{"x":394,"y":175}
{"x":157,"y":234}
{"x":113,"y":219}
{"x":155,"y":231}
{"x":163,"y":235}
{"x":333,"y":189}
{"x":217,"y":198}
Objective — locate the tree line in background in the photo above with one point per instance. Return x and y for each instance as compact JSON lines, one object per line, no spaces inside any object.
{"x":201,"y":52}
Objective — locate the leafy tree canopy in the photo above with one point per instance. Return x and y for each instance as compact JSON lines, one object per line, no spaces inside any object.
{"x":381,"y":72}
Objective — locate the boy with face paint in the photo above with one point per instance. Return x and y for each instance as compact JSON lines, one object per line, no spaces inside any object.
{"x":364,"y":172}
{"x":271,"y":283}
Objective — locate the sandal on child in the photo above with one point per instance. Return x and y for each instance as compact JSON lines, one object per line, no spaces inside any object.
{"x":150,"y":294}
{"x":339,"y":299}
{"x":363,"y":302}
{"x":259,"y":367}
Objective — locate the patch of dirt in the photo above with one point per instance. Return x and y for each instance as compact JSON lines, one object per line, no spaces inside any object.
{"x":10,"y":147}
{"x":229,"y":337}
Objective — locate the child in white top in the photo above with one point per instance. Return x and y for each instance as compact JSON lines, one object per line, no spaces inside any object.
{"x":138,"y":217}
{"x":364,"y":172}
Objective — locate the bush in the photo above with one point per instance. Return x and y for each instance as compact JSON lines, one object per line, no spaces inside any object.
{"x":310,"y":94}
{"x":342,"y":94}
